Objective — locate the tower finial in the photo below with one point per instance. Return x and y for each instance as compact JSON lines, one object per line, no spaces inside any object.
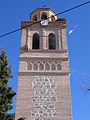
{"x":44,"y":5}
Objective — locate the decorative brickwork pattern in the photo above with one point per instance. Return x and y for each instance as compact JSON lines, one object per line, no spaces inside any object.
{"x":43,"y":98}
{"x":44,"y":66}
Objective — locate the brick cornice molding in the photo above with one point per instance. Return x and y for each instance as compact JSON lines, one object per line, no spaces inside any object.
{"x":43,"y":73}
{"x":44,"y":59}
{"x":24,"y":49}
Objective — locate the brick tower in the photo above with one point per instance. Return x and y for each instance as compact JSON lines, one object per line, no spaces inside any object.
{"x":43,"y":91}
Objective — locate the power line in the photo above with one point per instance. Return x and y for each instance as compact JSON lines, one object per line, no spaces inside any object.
{"x":65,"y":11}
{"x":73,"y":8}
{"x":79,"y":72}
{"x":82,"y":79}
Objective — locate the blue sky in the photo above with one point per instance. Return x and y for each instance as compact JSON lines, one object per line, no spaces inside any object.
{"x":12,"y":12}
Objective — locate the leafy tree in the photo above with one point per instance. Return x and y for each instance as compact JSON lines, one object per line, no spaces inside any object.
{"x":6,"y":92}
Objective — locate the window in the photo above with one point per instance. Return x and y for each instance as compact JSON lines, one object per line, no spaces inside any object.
{"x":44,"y":16}
{"x":35,"y":18}
{"x":52,"y":18}
{"x":36,"y":41}
{"x":52,"y":41}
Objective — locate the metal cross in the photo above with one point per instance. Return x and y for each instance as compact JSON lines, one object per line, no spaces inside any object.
{"x":44,"y":5}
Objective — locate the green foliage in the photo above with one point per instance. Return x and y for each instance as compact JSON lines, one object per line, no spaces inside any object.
{"x":61,"y":19}
{"x":6,"y":92}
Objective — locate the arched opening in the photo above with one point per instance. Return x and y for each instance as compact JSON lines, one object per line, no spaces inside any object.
{"x":47,"y":66}
{"x":29,"y":66}
{"x":44,"y":16}
{"x":41,"y":66}
{"x":52,"y":18}
{"x":52,"y":41}
{"x":36,"y":41}
{"x":35,"y":18}
{"x":59,"y":66}
{"x":53,"y":66}
{"x":35,"y":66}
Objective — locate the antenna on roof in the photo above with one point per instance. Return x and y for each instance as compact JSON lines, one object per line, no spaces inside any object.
{"x":44,"y":5}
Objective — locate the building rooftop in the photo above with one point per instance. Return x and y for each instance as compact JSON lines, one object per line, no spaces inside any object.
{"x":48,"y":9}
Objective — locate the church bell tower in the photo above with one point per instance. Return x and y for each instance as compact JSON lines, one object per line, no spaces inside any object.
{"x":43,"y":91}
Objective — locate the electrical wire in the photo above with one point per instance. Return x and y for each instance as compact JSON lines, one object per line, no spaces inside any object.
{"x":79,"y":72}
{"x":65,"y":11}
{"x":82,"y":79}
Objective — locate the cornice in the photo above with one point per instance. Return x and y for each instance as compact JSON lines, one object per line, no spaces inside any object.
{"x":49,"y":73}
{"x":42,"y":59}
{"x":31,"y":24}
{"x":23,"y":50}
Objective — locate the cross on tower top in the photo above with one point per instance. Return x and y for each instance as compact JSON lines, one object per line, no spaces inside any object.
{"x":44,"y":5}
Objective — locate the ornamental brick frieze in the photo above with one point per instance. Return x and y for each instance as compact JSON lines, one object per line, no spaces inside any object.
{"x":44,"y":98}
{"x":42,"y":59}
{"x":43,"y":73}
{"x":44,"y":65}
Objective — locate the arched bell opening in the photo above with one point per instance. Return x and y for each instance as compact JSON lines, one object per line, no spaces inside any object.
{"x":44,"y":16}
{"x":52,"y":41}
{"x":36,"y":41}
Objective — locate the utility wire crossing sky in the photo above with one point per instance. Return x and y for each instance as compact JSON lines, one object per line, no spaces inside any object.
{"x":65,"y":11}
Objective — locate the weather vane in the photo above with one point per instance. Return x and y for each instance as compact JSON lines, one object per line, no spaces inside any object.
{"x":44,"y":5}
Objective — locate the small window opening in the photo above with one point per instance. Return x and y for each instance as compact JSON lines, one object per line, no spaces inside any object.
{"x":35,"y":18}
{"x":52,"y":18}
{"x":44,"y":16}
{"x":52,"y":41}
{"x":35,"y":41}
